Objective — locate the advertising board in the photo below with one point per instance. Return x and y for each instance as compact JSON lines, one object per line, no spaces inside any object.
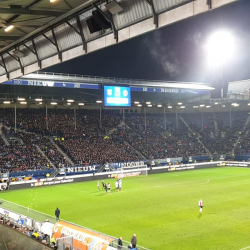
{"x":83,"y":239}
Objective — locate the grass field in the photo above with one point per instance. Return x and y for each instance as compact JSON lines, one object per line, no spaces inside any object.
{"x":162,"y":209}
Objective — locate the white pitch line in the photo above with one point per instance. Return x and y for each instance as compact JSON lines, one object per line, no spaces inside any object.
{"x":26,"y":207}
{"x":63,"y":220}
{"x":245,"y":248}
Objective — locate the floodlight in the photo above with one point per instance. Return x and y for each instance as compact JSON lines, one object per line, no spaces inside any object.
{"x":38,"y":99}
{"x":81,"y":104}
{"x":10,"y":27}
{"x":150,"y":105}
{"x":179,"y":103}
{"x":53,"y":103}
{"x":182,"y":107}
{"x":220,"y":48}
{"x":6,"y":102}
{"x":169,"y":107}
{"x":136,"y":102}
{"x":159,"y":105}
{"x":202,"y":105}
{"x":139,"y":105}
{"x":20,"y":99}
{"x":70,"y":100}
{"x":23,"y":103}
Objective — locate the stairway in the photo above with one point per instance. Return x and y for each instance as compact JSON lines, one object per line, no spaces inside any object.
{"x":246,"y":123}
{"x":3,"y":136}
{"x":238,"y":139}
{"x":215,"y":125}
{"x":45,"y":156}
{"x":185,"y":123}
{"x":54,"y":173}
{"x":61,"y":151}
{"x":197,"y":137}
{"x":139,"y":153}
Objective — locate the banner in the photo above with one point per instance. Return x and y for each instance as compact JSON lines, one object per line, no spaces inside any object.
{"x":48,"y":183}
{"x":130,"y":164}
{"x":77,"y":169}
{"x":83,"y":239}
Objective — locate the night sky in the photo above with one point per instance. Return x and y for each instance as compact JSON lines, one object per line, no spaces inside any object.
{"x":175,"y":52}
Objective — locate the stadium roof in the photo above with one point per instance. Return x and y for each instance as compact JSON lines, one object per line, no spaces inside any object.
{"x":46,"y":33}
{"x":56,"y":77}
{"x":28,"y":15}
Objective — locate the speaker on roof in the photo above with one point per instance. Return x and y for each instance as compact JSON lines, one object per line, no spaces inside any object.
{"x":92,"y":25}
{"x":114,"y":7}
{"x":100,"y":20}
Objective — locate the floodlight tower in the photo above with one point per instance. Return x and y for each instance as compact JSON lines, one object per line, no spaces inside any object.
{"x":220,"y":49}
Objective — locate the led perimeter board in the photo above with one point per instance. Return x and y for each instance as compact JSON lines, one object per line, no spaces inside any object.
{"x":116,"y":96}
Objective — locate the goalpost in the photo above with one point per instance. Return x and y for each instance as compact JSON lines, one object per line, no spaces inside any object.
{"x":125,"y":172}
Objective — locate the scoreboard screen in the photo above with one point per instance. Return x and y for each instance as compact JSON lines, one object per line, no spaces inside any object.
{"x":116,"y":96}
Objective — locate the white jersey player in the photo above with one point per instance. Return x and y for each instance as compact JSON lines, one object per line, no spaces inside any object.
{"x":120,"y":184}
{"x":117,"y":185}
{"x":200,"y":204}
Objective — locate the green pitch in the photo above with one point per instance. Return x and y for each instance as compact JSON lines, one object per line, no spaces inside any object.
{"x":162,"y":209}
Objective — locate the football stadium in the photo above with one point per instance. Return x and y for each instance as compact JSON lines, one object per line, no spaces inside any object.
{"x":124,"y":124}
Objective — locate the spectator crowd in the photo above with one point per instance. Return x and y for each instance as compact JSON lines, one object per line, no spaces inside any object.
{"x":84,"y":139}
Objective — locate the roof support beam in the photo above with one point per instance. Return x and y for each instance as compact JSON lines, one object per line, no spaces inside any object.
{"x":155,"y":16}
{"x":34,"y":52}
{"x":80,"y":32}
{"x":18,"y":60}
{"x":11,"y":38}
{"x":4,"y":66}
{"x":54,"y":43}
{"x":209,"y":3}
{"x":25,"y":11}
{"x":109,"y":19}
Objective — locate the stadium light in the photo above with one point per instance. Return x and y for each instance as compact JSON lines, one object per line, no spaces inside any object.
{"x":235,"y":104}
{"x":148,"y":103}
{"x":70,"y":100}
{"x":179,"y":103}
{"x":159,"y":105}
{"x":20,"y":99}
{"x":81,"y":104}
{"x":139,"y":105}
{"x":208,"y":107}
{"x":136,"y":102}
{"x":202,"y":105}
{"x":220,"y":48}
{"x":38,"y":99}
{"x":10,"y":27}
{"x":182,"y":107}
{"x":23,"y":103}
{"x":169,"y":107}
{"x":6,"y":102}
{"x":53,"y":103}
{"x":98,"y":101}
{"x":40,"y":103}
{"x":68,"y":103}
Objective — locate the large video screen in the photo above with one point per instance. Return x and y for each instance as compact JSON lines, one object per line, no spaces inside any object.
{"x":116,"y":96}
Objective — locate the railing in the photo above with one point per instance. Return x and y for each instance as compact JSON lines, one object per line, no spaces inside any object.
{"x":99,"y":79}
